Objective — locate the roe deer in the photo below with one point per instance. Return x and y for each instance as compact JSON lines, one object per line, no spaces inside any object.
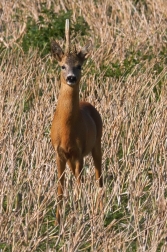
{"x":77,"y":126}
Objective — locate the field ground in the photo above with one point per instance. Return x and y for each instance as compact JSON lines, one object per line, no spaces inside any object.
{"x":125,"y":78}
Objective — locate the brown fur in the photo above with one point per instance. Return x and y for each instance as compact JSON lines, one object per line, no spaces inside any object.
{"x":77,"y":126}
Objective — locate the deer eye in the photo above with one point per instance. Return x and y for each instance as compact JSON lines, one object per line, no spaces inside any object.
{"x":63,"y":67}
{"x":79,"y":67}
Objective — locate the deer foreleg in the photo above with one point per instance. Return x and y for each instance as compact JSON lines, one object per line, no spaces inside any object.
{"x":61,"y":162}
{"x":78,"y":170}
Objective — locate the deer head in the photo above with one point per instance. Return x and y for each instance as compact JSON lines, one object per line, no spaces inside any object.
{"x":70,"y":62}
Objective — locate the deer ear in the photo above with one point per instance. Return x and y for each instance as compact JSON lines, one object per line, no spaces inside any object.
{"x":85,"y":51}
{"x":56,"y":51}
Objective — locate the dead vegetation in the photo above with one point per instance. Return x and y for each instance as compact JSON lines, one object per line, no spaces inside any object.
{"x":126,"y":81}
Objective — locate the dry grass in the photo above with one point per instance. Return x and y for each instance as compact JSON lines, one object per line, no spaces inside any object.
{"x":134,"y":113}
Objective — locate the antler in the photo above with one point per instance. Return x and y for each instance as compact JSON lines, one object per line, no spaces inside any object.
{"x":67,"y":33}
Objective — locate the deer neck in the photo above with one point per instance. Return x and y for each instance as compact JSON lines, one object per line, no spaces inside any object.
{"x":68,"y":104}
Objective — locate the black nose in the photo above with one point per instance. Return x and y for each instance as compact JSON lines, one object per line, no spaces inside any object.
{"x":71,"y":78}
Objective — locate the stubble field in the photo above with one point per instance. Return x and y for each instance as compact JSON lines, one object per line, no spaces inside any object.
{"x":125,"y":79}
